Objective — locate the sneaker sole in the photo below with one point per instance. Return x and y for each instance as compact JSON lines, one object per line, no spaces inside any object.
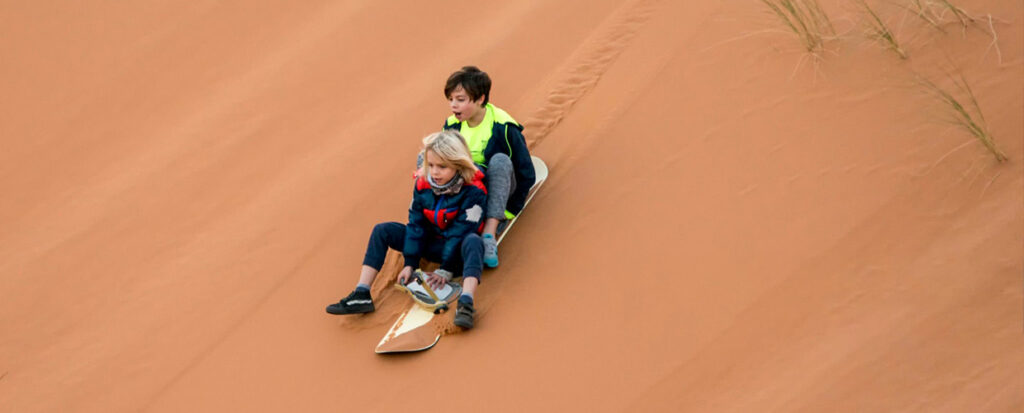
{"x":464,"y":325}
{"x":351,"y":310}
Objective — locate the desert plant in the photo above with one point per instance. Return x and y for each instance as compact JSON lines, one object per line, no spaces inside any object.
{"x":878,"y":30}
{"x":926,"y":12}
{"x":962,"y":115}
{"x":959,"y":13}
{"x":934,"y":12}
{"x":806,"y":19}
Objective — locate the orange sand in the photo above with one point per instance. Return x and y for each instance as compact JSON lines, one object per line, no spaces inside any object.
{"x":728,"y":225}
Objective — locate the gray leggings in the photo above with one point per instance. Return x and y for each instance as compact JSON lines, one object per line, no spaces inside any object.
{"x":500,"y":180}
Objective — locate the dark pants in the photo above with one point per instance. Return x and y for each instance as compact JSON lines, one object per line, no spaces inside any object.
{"x":468,"y":258}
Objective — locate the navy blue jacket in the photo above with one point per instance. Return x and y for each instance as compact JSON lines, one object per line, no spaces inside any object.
{"x":507,"y":138}
{"x":443,"y":218}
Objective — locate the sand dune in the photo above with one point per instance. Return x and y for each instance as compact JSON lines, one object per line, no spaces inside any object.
{"x":729,"y":224}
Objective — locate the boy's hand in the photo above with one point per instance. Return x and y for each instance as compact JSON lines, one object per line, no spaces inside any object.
{"x":435,"y":281}
{"x":403,"y":277}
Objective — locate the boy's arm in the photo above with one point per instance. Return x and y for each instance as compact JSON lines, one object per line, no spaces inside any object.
{"x":411,"y":250}
{"x":523,"y":164}
{"x":471,"y":215}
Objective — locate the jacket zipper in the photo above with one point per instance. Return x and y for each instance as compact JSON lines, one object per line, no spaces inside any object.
{"x":437,"y":211}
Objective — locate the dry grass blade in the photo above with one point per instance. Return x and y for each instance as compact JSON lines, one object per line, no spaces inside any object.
{"x":819,"y":17}
{"x":976,"y":123}
{"x":782,"y":15}
{"x":964,"y":18}
{"x":878,"y":30}
{"x":806,"y":19}
{"x":995,"y":41}
{"x":926,"y":13}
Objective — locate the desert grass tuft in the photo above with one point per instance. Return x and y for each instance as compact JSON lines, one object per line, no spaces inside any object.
{"x":878,"y":30}
{"x":935,"y":13}
{"x":806,"y":19}
{"x":975,"y":122}
{"x":926,"y":11}
{"x":961,"y":16}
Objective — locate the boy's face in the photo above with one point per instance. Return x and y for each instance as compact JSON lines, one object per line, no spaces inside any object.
{"x":465,"y":108}
{"x":439,"y":171}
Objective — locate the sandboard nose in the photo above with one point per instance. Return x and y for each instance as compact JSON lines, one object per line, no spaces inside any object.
{"x":412,"y":332}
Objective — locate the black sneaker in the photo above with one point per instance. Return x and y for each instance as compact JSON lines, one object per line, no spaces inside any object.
{"x":464,"y":315}
{"x":356,"y":303}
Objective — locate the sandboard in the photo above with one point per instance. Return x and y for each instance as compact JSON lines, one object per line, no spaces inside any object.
{"x":412,"y":330}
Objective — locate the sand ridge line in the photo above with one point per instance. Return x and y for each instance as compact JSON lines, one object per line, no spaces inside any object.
{"x":584,"y":68}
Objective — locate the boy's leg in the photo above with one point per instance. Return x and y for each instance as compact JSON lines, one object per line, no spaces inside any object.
{"x":501,"y":181}
{"x":472,"y":251}
{"x":472,"y":267}
{"x":384,"y":236}
{"x":467,"y":259}
{"x":469,"y":285}
{"x":366,"y":276}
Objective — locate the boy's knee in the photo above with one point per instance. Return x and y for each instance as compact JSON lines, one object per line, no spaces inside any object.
{"x":499,"y":160}
{"x":384,"y":229}
{"x":472,"y":240}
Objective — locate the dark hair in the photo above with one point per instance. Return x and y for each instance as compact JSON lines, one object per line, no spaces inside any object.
{"x":473,"y":80}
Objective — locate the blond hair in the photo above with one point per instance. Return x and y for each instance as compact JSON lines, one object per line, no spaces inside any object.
{"x":451,"y":147}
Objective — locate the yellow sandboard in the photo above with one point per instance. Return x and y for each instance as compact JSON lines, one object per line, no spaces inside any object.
{"x":412,"y":330}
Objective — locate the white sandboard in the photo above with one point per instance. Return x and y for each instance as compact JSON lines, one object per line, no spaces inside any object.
{"x":412,"y":331}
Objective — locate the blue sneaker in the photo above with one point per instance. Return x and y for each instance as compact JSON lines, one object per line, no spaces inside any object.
{"x":490,"y":251}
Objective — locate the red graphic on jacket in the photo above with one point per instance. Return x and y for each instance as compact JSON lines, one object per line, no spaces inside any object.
{"x":440,"y":213}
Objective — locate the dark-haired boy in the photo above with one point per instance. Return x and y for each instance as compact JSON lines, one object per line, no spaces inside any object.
{"x":498,"y":147}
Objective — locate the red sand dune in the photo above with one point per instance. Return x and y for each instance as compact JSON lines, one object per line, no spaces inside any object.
{"x":729,"y":225}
